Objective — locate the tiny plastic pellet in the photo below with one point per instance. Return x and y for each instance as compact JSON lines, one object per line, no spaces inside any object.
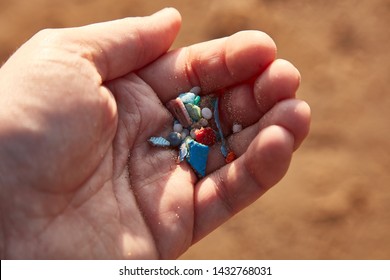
{"x":206,"y":113}
{"x":174,"y":139}
{"x":203,"y":122}
{"x":177,"y":127}
{"x":237,"y":128}
{"x":185,"y":133}
{"x":193,"y":133}
{"x":196,"y":90}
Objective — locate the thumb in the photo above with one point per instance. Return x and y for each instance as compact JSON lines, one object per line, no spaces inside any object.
{"x":121,"y":46}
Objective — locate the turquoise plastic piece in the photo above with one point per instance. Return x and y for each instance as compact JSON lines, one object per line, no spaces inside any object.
{"x":187,"y":97}
{"x":197,"y":157}
{"x":197,"y":100}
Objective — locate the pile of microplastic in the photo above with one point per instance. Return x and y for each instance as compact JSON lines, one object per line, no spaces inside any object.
{"x":192,"y":130}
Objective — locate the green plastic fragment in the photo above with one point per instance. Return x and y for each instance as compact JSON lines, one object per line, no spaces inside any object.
{"x":194,"y":111}
{"x":197,"y":100}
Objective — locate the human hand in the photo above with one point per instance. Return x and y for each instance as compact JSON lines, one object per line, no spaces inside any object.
{"x":78,"y":178}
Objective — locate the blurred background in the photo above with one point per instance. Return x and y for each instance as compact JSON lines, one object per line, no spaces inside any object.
{"x":334,"y":202}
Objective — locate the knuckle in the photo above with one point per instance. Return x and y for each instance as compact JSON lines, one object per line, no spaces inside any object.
{"x":50,"y":35}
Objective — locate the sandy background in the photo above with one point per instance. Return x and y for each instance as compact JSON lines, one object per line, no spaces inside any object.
{"x":334,"y":202}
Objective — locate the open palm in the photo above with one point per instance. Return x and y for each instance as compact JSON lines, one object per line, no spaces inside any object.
{"x":78,"y":177}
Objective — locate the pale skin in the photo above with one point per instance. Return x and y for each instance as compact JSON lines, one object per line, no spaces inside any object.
{"x":78,"y":179}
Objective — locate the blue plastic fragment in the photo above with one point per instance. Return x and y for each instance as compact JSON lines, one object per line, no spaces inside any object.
{"x":197,"y":157}
{"x":224,"y":150}
{"x":187,"y":97}
{"x":159,"y":141}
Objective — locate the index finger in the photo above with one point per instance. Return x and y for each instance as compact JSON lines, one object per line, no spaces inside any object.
{"x":212,"y":65}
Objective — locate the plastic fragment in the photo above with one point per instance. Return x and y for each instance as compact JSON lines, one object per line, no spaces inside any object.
{"x":187,"y":140}
{"x":183,"y":151}
{"x":197,"y":157}
{"x":187,"y":97}
{"x":193,"y":111}
{"x":224,"y":150}
{"x":174,"y":139}
{"x":176,"y":107}
{"x":230,"y":157}
{"x":159,"y":142}
{"x":206,"y":136}
{"x":197,"y":100}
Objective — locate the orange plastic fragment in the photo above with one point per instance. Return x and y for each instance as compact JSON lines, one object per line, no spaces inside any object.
{"x":230,"y":157}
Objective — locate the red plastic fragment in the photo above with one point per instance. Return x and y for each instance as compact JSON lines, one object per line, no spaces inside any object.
{"x":206,"y":136}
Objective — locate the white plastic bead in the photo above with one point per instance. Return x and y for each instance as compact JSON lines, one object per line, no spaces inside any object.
{"x":193,"y":133}
{"x":206,"y":113}
{"x":196,"y":90}
{"x":177,"y":127}
{"x":237,"y":128}
{"x":203,"y":122}
{"x":185,"y":133}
